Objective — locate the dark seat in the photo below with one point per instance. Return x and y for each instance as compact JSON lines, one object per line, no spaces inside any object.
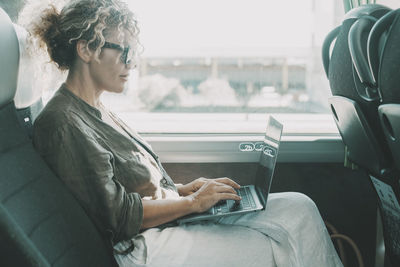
{"x":41,"y":224}
{"x":357,"y":117}
{"x":383,"y":48}
{"x":355,"y":102}
{"x":384,"y":55}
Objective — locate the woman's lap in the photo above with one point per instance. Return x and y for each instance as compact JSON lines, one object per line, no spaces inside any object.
{"x":208,"y":244}
{"x":297,"y":231}
{"x":290,"y":232}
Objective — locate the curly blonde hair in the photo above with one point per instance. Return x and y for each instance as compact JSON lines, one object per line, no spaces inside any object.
{"x":89,"y":20}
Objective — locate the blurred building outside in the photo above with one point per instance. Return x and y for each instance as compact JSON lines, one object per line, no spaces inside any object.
{"x":281,"y":80}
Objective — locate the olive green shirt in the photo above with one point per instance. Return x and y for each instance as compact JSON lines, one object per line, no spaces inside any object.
{"x":107,"y":171}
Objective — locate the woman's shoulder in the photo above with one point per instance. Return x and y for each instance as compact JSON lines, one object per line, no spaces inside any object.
{"x":57,"y":112}
{"x":61,"y":114}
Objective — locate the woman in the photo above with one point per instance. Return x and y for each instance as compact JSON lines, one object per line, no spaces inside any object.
{"x":119,"y":180}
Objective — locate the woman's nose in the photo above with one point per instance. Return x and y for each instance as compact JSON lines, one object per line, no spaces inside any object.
{"x":130,"y":65}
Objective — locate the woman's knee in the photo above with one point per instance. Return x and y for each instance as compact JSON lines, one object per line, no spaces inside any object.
{"x":303,"y":198}
{"x":298,"y":201}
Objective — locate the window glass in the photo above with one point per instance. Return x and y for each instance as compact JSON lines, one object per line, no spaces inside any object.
{"x":243,"y":56}
{"x":389,"y":3}
{"x":228,"y":58}
{"x":12,"y":8}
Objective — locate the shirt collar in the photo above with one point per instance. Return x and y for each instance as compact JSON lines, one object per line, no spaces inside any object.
{"x":85,"y":106}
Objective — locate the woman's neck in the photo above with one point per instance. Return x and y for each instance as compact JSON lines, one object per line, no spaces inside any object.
{"x":79,"y":84}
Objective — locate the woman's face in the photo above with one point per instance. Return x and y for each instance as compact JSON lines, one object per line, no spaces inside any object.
{"x":111,"y":73}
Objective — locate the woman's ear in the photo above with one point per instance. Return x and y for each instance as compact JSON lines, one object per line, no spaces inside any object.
{"x":83,"y":51}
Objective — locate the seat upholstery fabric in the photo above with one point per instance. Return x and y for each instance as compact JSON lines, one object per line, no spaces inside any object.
{"x":41,"y":206}
{"x":41,"y":223}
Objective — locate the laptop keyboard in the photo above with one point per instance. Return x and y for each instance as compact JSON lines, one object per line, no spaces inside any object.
{"x":247,"y":202}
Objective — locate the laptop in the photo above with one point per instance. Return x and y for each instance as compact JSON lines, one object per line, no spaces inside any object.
{"x":254,"y":197}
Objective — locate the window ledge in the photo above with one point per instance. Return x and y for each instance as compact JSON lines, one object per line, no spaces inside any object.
{"x":209,"y":148}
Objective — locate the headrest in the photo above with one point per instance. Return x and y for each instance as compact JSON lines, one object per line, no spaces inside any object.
{"x":29,"y":89}
{"x":374,"y":10}
{"x":9,"y":55}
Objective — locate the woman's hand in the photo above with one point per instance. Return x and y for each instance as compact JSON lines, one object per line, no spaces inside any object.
{"x":199,"y":196}
{"x":190,"y":188}
{"x":194,"y":186}
{"x":211,"y":191}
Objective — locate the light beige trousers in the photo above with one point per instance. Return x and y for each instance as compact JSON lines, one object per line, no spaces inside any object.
{"x":290,"y":232}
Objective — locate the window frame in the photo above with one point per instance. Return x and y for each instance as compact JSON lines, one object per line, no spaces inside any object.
{"x":306,"y":137}
{"x":196,"y":148}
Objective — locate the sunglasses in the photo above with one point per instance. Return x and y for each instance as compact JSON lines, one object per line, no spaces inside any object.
{"x":127,"y":52}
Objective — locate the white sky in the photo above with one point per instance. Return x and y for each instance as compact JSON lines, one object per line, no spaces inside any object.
{"x":215,"y":26}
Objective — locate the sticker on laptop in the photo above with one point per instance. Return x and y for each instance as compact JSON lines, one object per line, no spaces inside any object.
{"x":269,"y":151}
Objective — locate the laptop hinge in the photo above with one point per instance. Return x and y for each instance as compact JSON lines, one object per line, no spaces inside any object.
{"x":261,"y":196}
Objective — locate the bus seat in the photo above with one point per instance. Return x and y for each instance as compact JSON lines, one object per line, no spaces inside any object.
{"x":390,"y":117}
{"x":390,"y":200}
{"x":359,"y":136}
{"x":359,"y":123}
{"x":28,"y":96}
{"x":383,"y":48}
{"x":41,"y":224}
{"x":354,"y":103}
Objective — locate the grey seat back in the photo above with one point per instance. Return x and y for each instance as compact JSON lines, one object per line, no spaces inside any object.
{"x":383,"y":48}
{"x":41,"y":224}
{"x":360,"y":126}
{"x":356,"y":115}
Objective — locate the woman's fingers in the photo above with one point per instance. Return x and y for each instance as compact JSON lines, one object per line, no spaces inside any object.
{"x":223,"y":188}
{"x":228,"y":181}
{"x":212,"y":192}
{"x":226,"y":196}
{"x":224,"y":191}
{"x":215,"y":186}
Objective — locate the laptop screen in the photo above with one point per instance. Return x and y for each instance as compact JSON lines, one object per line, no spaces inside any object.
{"x":268,"y":156}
